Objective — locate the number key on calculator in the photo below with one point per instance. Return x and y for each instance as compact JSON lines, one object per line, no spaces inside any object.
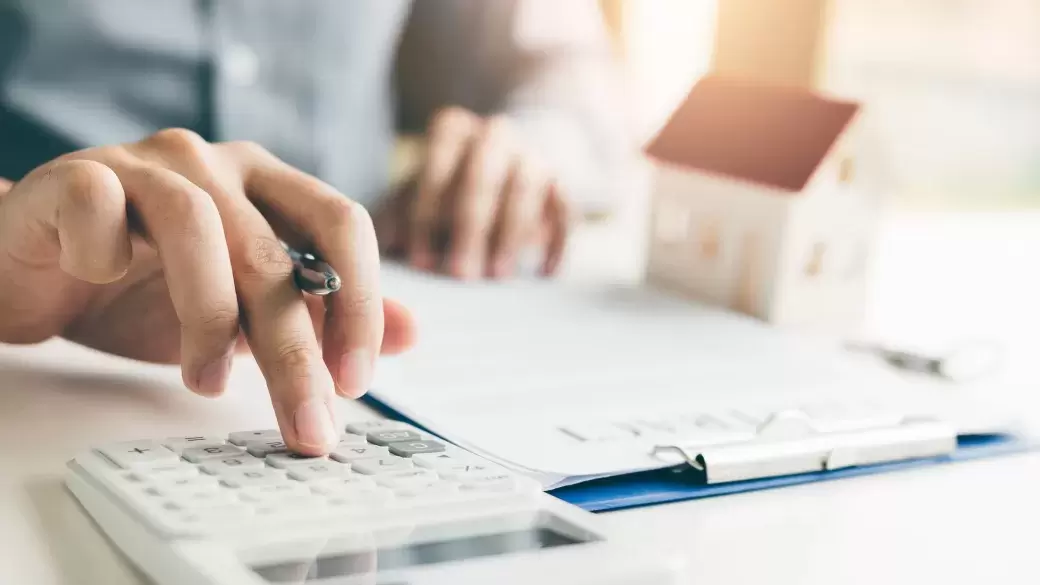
{"x":198,"y":485}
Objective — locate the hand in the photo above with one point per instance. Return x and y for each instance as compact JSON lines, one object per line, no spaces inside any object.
{"x":163,"y":249}
{"x":479,"y":201}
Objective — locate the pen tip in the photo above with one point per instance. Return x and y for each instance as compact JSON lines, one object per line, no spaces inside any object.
{"x":333,"y":283}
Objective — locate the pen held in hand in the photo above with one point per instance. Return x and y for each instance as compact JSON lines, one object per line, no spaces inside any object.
{"x":313,"y":275}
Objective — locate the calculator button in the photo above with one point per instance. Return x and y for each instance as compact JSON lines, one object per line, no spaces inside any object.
{"x":179,"y":444}
{"x":386,"y":437}
{"x":463,"y":471}
{"x":194,"y":501}
{"x":253,"y":477}
{"x":409,"y":448}
{"x":491,"y":484}
{"x":308,"y":510}
{"x":187,"y":485}
{"x":212,"y":518}
{"x":443,"y":460}
{"x":200,"y":454}
{"x":287,"y":459}
{"x":380,"y":465}
{"x":360,"y":501}
{"x":426,"y":493}
{"x":274,"y":492}
{"x":398,"y":479}
{"x":239,"y":462}
{"x":355,"y":452}
{"x":264,"y":448}
{"x":240,"y":438}
{"x":344,"y":485}
{"x":319,"y":470}
{"x":365,"y":427}
{"x":139,"y":454}
{"x":164,"y":472}
{"x":347,"y":439}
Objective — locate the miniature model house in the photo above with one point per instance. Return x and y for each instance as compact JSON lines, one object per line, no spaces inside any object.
{"x":756,"y":204}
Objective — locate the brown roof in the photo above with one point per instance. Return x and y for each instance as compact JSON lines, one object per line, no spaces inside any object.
{"x":771,"y":135}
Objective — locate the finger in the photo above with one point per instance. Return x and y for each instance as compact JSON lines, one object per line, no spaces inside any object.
{"x":72,"y":215}
{"x":518,"y":218}
{"x":278,"y":326}
{"x":449,"y":136}
{"x":391,"y":221}
{"x":182,"y":222}
{"x":557,"y":218}
{"x":5,"y":186}
{"x":341,"y":231}
{"x":484,"y":176}
{"x":400,"y":325}
{"x":400,"y":331}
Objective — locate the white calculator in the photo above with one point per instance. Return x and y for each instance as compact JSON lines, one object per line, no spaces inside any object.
{"x":390,"y":506}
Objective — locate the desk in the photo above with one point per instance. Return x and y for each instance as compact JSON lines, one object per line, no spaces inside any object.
{"x":968,"y":523}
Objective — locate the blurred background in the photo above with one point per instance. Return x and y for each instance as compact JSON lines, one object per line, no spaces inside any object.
{"x":953,"y":86}
{"x":952,"y":90}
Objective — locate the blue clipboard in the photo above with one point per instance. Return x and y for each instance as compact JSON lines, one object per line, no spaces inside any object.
{"x":676,"y":484}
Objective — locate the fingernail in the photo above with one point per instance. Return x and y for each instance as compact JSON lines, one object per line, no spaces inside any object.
{"x":214,"y":375}
{"x":314,"y":425}
{"x":355,"y":372}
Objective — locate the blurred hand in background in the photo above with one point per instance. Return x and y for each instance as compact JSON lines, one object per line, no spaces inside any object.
{"x":480,"y":201}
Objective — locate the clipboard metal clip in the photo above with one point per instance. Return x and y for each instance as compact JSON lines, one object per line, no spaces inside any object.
{"x":787,"y":444}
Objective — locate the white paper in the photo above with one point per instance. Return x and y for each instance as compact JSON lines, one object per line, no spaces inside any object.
{"x":500,"y":367}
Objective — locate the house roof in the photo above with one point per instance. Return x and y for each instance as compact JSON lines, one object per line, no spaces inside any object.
{"x":771,"y":135}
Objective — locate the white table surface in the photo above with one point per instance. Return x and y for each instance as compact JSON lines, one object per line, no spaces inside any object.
{"x":967,"y":523}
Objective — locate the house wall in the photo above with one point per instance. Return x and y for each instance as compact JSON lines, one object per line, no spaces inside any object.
{"x":715,"y":240}
{"x":828,"y":250}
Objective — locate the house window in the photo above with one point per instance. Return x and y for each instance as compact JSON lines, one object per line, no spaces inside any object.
{"x":708,"y":241}
{"x":846,"y":170}
{"x":817,"y":255}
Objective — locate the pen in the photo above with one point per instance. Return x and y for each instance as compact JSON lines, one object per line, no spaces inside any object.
{"x":313,"y":275}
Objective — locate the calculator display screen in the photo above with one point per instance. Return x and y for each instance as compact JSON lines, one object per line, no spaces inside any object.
{"x":414,"y":555}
